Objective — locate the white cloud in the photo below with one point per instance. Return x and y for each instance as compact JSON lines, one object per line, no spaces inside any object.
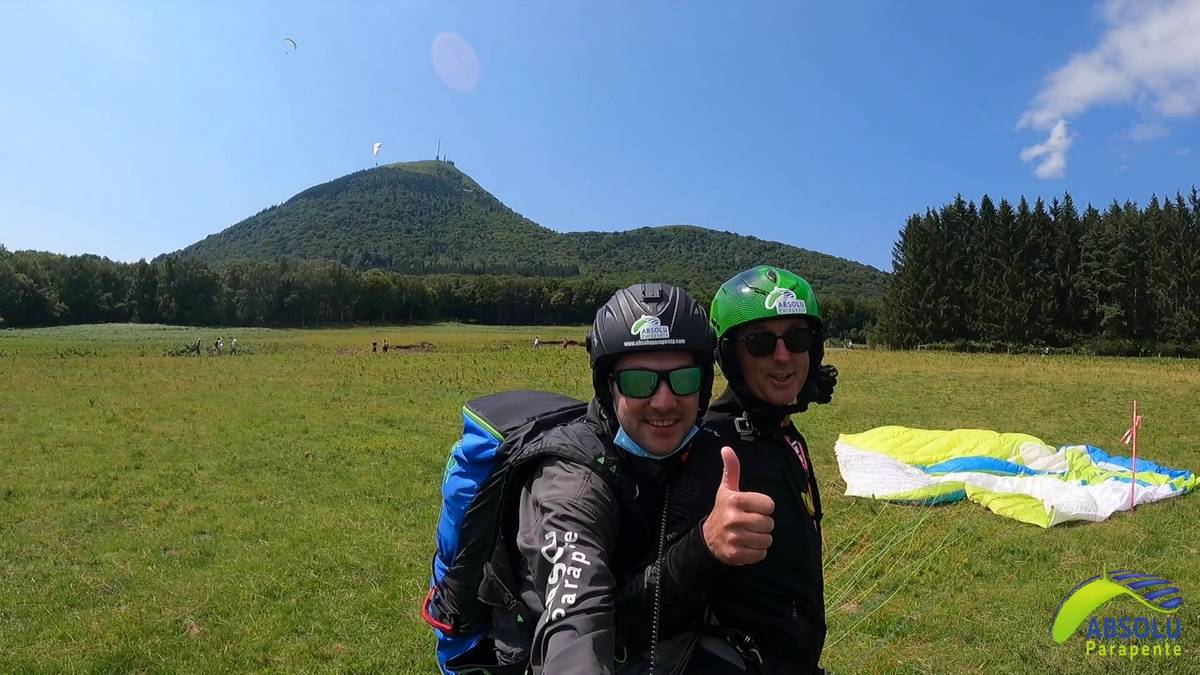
{"x":1148,"y":57}
{"x":1053,"y":152}
{"x":1183,"y":152}
{"x":1147,"y":131}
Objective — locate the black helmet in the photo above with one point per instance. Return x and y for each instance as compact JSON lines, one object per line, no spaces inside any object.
{"x":649,"y":318}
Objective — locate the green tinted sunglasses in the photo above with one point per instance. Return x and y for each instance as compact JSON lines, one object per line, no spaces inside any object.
{"x":642,"y":383}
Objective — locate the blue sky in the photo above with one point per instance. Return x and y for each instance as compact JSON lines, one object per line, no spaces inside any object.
{"x":133,"y":129}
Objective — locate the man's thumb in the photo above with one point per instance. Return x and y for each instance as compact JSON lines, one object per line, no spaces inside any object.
{"x":732,"y":475}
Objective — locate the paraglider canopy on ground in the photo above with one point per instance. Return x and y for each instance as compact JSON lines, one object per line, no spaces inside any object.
{"x":1014,"y":475}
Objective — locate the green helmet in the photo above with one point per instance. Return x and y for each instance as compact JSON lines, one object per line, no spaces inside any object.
{"x":763,"y":292}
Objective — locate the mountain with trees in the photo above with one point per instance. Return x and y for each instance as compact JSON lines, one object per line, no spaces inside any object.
{"x":988,"y":276}
{"x":418,"y":241}
{"x":428,"y":218}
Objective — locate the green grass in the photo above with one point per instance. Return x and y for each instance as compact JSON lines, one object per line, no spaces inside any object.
{"x":275,"y":511}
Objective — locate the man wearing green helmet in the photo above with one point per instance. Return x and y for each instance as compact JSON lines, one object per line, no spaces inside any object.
{"x":771,"y":341}
{"x":764,"y":517}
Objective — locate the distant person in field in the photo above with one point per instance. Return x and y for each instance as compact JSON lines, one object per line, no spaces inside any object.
{"x":233,"y":346}
{"x":385,"y":346}
{"x":537,"y":342}
{"x":374,"y":346}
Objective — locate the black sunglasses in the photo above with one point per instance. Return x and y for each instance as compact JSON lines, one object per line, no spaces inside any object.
{"x":762,"y":343}
{"x":642,"y":382}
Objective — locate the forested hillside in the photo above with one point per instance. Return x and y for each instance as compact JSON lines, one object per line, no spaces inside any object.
{"x":421,"y":218}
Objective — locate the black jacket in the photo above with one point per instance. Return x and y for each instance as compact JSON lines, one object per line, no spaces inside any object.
{"x":586,"y":538}
{"x":779,"y":602}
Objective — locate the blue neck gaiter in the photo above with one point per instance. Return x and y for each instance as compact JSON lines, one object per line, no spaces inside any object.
{"x":625,"y":442}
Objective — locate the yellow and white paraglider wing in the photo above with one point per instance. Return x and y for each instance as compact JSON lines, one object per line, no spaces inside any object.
{"x":1014,"y":475}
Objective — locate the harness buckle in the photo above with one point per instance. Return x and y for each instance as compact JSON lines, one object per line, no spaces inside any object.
{"x":742,"y":426}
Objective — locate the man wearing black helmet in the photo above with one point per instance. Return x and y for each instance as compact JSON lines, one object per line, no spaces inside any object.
{"x":589,"y":536}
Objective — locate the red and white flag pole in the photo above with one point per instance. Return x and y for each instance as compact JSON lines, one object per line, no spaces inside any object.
{"x":1130,"y":438}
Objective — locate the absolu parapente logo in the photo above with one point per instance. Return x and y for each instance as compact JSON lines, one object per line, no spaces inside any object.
{"x":650,"y":328}
{"x":784,"y":301}
{"x":1147,"y":635}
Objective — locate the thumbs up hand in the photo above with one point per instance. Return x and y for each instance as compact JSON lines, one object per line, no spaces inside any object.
{"x":738,"y":530}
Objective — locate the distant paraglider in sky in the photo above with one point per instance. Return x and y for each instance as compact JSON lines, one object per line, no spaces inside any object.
{"x":375,"y":150}
{"x":289,"y":45}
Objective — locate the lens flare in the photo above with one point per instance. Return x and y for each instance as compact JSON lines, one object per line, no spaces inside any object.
{"x":455,"y":62}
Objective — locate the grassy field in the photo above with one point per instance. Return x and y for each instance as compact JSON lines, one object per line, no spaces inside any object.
{"x":274,"y":511}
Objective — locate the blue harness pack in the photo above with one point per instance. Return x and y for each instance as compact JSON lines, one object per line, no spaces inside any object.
{"x":481,"y":473}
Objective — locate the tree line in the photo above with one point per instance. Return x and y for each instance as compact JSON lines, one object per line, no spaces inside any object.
{"x":46,"y":289}
{"x":1125,"y":280}
{"x":43,"y":289}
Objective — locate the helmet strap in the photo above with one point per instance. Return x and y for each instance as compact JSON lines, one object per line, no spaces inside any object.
{"x":760,"y":410}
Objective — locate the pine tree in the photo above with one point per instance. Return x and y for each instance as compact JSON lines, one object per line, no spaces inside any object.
{"x":1068,"y":306}
{"x":988,"y":296}
{"x":905,"y":320}
{"x":1094,"y":262}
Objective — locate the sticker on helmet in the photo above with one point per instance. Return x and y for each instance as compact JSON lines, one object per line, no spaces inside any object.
{"x":784,"y":301}
{"x":650,"y":328}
